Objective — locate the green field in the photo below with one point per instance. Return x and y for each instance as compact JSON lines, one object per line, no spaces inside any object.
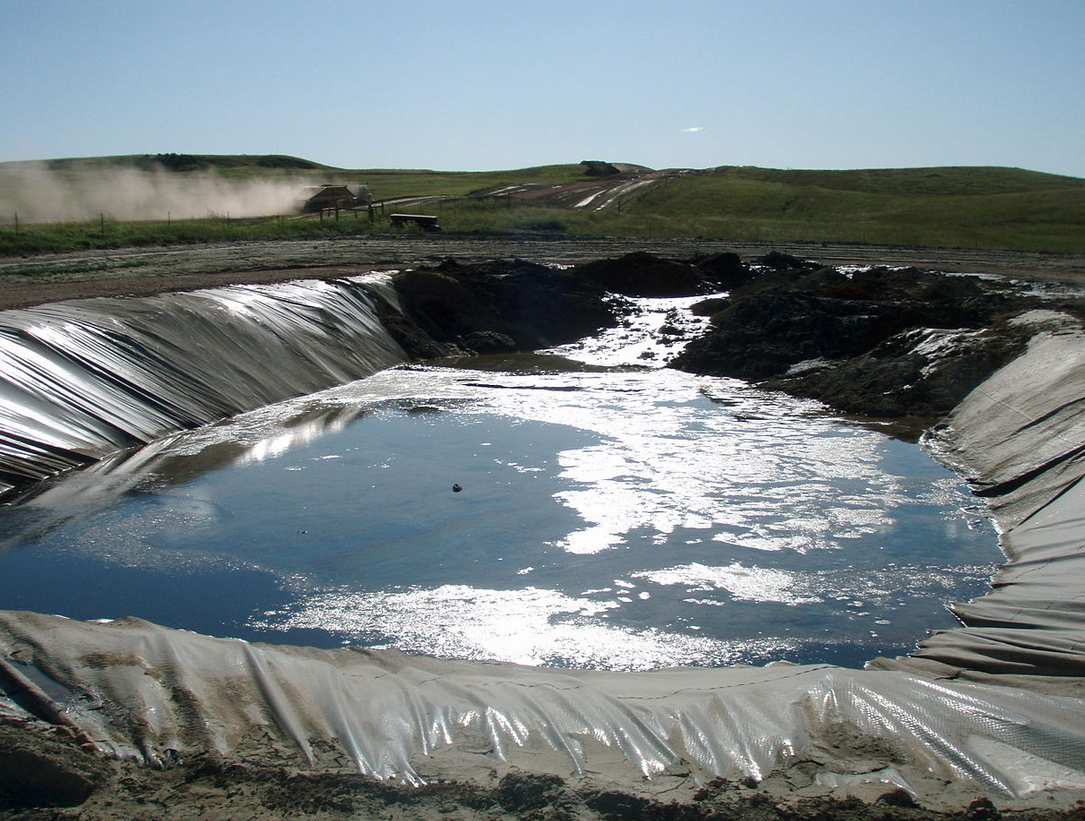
{"x":963,"y":207}
{"x":1003,"y":208}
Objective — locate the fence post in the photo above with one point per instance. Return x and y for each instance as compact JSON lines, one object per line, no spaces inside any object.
{"x":16,"y":222}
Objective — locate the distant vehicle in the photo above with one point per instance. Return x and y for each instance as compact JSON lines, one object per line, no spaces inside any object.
{"x":329,"y":197}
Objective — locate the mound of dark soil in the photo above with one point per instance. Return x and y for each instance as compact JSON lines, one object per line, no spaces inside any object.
{"x":724,"y":271}
{"x":599,"y":168}
{"x":644,"y":275}
{"x":497,"y":307}
{"x":922,"y":373}
{"x":881,"y":342}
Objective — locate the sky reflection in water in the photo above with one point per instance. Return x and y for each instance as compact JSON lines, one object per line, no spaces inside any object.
{"x":623,"y":520}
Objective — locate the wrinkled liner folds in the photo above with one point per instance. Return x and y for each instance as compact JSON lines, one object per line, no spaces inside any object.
{"x":149,"y":693}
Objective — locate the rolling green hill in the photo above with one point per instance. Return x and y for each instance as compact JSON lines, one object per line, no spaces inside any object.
{"x":974,"y":207}
{"x":945,"y":181}
{"x":971,"y":207}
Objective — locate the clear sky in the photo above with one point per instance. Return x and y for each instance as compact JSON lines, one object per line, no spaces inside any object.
{"x":499,"y":84}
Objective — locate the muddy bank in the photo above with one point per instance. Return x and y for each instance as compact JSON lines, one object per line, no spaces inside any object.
{"x":879,"y":342}
{"x":888,"y":343}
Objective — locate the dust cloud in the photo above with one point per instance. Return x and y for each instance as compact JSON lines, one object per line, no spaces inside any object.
{"x":37,"y":193}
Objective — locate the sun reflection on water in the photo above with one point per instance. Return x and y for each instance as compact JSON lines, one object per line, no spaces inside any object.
{"x":621,"y":519}
{"x":527,"y":626}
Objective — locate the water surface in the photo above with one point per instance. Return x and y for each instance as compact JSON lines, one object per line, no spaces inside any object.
{"x":616,"y":520}
{"x":623,"y":519}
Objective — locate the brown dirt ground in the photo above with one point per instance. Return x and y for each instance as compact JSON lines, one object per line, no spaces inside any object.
{"x":50,"y":777}
{"x":141,"y":271}
{"x":46,"y":768}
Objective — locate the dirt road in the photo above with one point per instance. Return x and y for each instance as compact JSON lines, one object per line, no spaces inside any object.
{"x":142,"y":271}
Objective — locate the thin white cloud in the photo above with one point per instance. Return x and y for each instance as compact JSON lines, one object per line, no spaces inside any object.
{"x":693,"y":129}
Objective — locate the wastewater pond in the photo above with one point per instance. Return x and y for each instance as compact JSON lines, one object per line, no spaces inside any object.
{"x":537,"y":511}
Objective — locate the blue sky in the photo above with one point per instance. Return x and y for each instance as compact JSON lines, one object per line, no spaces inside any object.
{"x":497,"y":84}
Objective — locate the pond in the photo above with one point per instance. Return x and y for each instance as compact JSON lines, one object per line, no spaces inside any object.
{"x":535,"y":509}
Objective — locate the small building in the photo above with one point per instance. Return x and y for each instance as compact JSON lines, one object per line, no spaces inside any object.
{"x":330,"y":197}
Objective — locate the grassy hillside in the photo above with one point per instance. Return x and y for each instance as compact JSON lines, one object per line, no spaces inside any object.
{"x":945,"y":181}
{"x":390,"y":183}
{"x":957,"y":207}
{"x":1000,"y":208}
